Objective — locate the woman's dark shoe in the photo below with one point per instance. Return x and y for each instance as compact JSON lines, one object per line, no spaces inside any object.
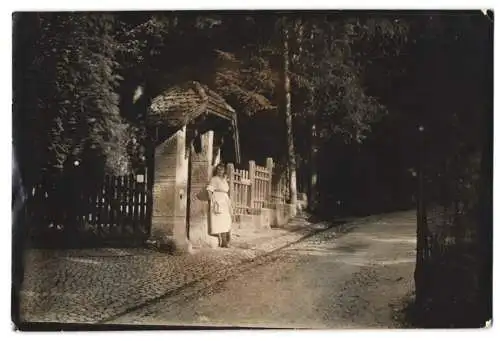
{"x":225,"y":240}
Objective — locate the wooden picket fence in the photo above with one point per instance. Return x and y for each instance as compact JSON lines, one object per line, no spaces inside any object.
{"x":256,"y":187}
{"x":117,"y":208}
{"x":121,"y":201}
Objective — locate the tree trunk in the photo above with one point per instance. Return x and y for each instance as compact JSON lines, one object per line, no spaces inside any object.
{"x":313,"y":178}
{"x":421,"y":267}
{"x":287,"y":107}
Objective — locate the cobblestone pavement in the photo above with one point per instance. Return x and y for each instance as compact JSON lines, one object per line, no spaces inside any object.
{"x":91,"y":286}
{"x":357,"y":281}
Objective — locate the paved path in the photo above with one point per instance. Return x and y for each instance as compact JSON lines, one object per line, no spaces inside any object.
{"x":91,"y":286}
{"x":355,"y":281}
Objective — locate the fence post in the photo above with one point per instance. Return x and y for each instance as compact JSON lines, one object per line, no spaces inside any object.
{"x":269,"y":166}
{"x":230,"y":175}
{"x":251,"y":176}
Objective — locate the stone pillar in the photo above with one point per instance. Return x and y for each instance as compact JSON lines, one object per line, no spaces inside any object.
{"x":252,"y":189}
{"x":201,"y":172}
{"x":170,"y":194}
{"x":269,"y":167}
{"x":181,"y":183}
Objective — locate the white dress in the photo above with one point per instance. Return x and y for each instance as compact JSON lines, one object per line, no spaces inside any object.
{"x":220,"y":206}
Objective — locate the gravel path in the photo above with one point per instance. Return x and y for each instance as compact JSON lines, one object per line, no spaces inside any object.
{"x":358,"y":280}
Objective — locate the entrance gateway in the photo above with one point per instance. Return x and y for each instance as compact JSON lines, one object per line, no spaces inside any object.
{"x":194,"y":128}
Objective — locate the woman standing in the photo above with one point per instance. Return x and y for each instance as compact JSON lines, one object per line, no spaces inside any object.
{"x":221,"y":210}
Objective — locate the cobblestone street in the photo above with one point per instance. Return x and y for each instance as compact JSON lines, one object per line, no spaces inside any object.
{"x":89,"y":286}
{"x":359,"y":280}
{"x":123,"y":285}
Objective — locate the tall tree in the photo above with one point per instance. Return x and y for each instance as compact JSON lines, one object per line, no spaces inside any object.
{"x":330,"y":56}
{"x":287,"y":112}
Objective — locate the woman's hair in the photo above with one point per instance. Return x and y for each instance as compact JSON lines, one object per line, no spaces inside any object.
{"x":220,"y":165}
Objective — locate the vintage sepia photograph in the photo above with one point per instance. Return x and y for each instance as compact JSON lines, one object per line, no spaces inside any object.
{"x":270,"y":169}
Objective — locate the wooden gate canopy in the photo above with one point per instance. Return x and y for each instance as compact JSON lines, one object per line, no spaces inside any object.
{"x":190,"y":102}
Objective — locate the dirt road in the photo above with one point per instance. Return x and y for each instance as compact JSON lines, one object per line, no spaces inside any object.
{"x":356,"y":280}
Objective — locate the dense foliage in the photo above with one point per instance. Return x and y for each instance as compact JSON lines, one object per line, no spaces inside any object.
{"x":72,"y":112}
{"x":77,"y":77}
{"x":83,"y":69}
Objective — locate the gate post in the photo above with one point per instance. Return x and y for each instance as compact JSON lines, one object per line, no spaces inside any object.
{"x":251,"y":176}
{"x":269,"y":166}
{"x":169,"y":193}
{"x":230,"y":175}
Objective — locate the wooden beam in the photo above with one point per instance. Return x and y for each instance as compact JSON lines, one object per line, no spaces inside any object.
{"x":236,"y":138}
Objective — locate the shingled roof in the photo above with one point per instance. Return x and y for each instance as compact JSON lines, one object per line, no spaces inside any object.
{"x":181,"y":104}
